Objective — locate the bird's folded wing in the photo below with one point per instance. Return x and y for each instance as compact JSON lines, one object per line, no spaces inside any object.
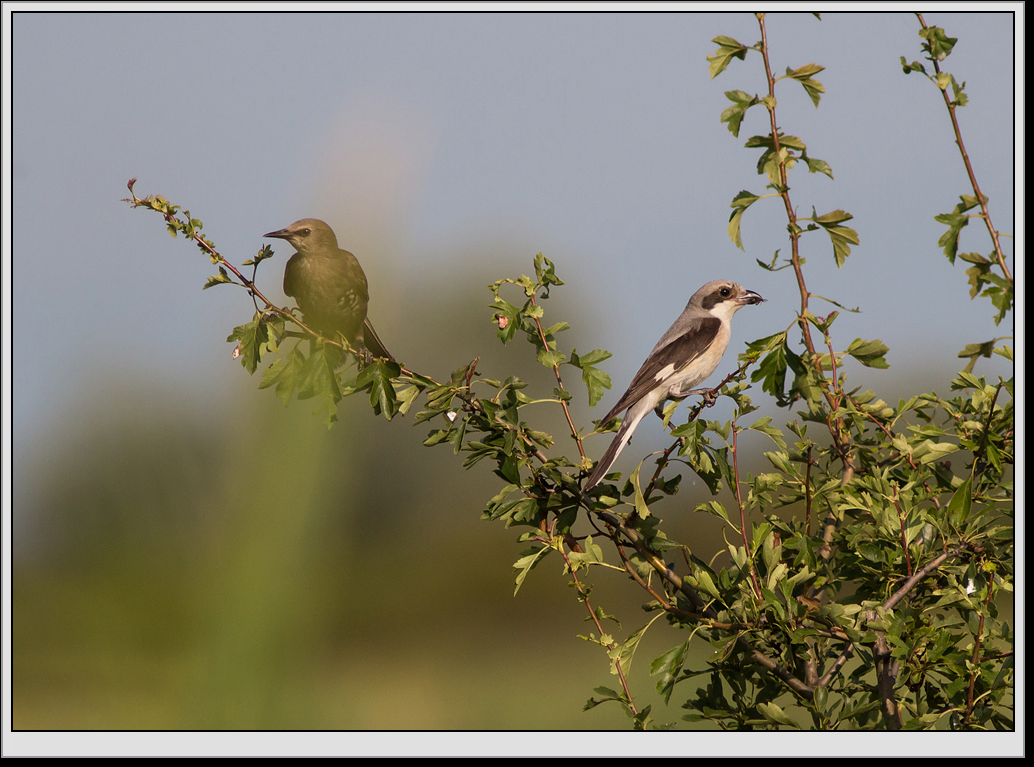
{"x":667,"y":359}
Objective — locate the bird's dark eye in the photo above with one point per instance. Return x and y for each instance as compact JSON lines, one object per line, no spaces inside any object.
{"x":724,"y":292}
{"x":306,"y":232}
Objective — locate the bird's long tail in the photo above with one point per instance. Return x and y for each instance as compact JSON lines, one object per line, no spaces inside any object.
{"x":623,"y":437}
{"x":373,"y":343}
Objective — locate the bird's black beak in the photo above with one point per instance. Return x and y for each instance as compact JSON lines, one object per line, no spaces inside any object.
{"x":280,"y":234}
{"x":750,"y":298}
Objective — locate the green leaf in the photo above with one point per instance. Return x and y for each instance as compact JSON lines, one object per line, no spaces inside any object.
{"x":728,"y":49}
{"x":776,"y":715}
{"x":253,"y":340}
{"x":979,"y":274}
{"x":938,"y":44}
{"x":959,"y":505}
{"x":264,"y":252}
{"x":407,"y":397}
{"x":376,"y":378}
{"x":949,"y":241}
{"x":641,"y":509}
{"x":595,"y":379}
{"x":869,"y":353}
{"x":733,"y":115}
{"x":832,"y":218}
{"x":667,"y":668}
{"x":764,"y":426}
{"x":217,"y":279}
{"x":549,"y":357}
{"x":817,"y":166}
{"x":702,"y":580}
{"x":786,"y":141}
{"x":694,"y":448}
{"x":509,"y":469}
{"x":739,"y":204}
{"x":842,"y":236}
{"x":625,"y":652}
{"x":974,"y":351}
{"x":915,"y":66}
{"x":316,"y":379}
{"x":284,"y":373}
{"x":507,"y":319}
{"x":591,"y":554}
{"x":527,"y":563}
{"x":1002,"y":295}
{"x":771,"y":372}
{"x":928,"y":451}
{"x":803,"y":75}
{"x":771,"y":160}
{"x":545,"y":272}
{"x":958,"y":91}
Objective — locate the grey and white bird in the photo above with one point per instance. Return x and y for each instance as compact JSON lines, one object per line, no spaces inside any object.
{"x":329,"y":285}
{"x":686,"y":355}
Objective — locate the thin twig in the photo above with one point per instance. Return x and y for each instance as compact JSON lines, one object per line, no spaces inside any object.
{"x":743,"y":517}
{"x":595,"y":619}
{"x":981,"y":197}
{"x":560,"y":383}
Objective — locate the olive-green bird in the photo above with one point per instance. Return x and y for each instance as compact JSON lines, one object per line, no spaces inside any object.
{"x":329,"y":285}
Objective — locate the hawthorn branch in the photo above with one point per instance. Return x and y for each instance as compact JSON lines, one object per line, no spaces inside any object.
{"x":843,"y":449}
{"x":595,"y":619}
{"x":981,"y":197}
{"x":560,"y":383}
{"x":644,"y":550}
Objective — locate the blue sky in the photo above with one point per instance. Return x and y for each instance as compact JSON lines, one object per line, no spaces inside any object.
{"x":436,"y":144}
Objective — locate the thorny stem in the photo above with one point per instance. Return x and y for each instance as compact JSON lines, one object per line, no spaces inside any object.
{"x":838,"y":432}
{"x":249,"y":285}
{"x":901,"y":523}
{"x":896,"y":597}
{"x":985,"y":211}
{"x":743,"y":517}
{"x":807,"y":493}
{"x":979,"y":454}
{"x":595,"y":619}
{"x":910,"y":584}
{"x":560,"y":383}
{"x":975,"y":673}
{"x":886,"y":667}
{"x":843,"y":449}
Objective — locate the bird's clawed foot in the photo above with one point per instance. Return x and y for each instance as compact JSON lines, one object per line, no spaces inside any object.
{"x":709,"y":396}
